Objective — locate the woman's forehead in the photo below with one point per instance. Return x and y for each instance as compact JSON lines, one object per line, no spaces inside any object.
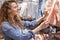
{"x":13,"y":4}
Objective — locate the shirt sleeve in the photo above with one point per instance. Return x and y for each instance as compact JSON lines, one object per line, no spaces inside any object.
{"x":29,"y":23}
{"x":12,"y":33}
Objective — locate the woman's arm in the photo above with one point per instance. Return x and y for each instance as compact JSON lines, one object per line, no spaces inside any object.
{"x":35,"y":22}
{"x":29,"y":23}
{"x":43,"y":25}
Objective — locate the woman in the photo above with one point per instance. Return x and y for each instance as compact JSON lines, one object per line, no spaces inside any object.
{"x":12,"y":25}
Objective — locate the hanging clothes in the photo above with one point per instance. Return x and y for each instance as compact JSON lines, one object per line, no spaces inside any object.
{"x":52,"y":9}
{"x":40,"y":9}
{"x":28,"y":10}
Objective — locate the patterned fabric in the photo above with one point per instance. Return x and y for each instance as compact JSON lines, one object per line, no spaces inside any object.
{"x":52,"y":8}
{"x":40,"y":37}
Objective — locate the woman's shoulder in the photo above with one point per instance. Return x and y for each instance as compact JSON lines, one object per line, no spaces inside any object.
{"x":5,"y":24}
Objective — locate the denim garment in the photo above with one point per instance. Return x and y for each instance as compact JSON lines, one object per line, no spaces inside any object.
{"x":9,"y":33}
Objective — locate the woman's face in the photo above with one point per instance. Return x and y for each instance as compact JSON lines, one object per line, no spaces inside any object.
{"x":14,"y":9}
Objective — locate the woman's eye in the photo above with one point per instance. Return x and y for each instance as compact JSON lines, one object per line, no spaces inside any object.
{"x":15,"y":7}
